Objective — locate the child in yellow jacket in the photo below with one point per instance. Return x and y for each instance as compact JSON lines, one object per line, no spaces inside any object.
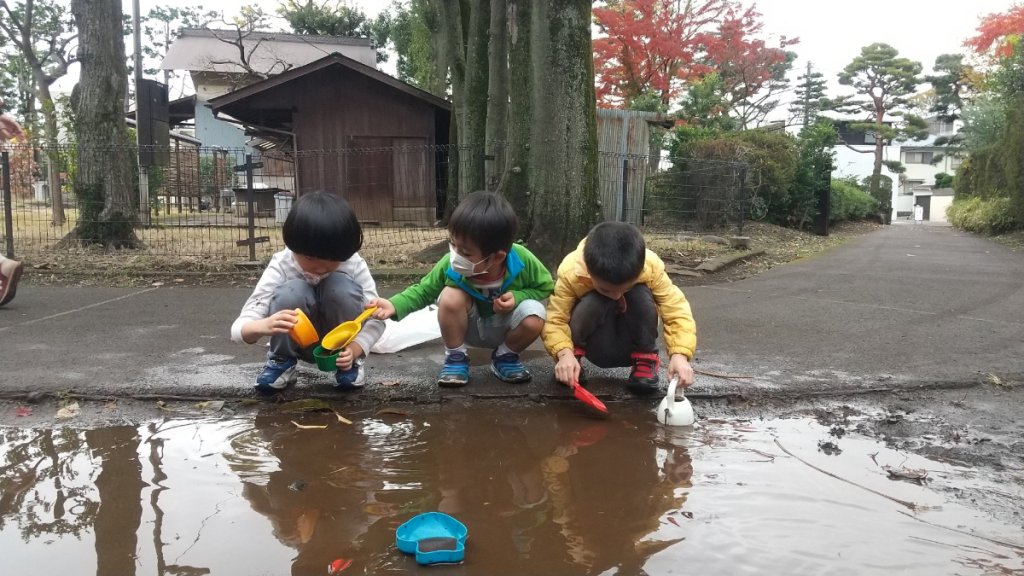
{"x":609,"y":296}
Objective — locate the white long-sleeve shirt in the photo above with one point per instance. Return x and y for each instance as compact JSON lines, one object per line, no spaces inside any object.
{"x":281,"y":269}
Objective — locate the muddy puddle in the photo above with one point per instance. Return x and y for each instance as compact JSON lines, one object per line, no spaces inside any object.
{"x":542,"y":490}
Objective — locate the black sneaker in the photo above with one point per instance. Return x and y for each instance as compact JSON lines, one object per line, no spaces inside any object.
{"x":643,"y":378}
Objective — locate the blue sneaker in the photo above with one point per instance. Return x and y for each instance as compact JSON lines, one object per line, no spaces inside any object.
{"x":454,"y":371}
{"x":508,"y":368}
{"x":351,"y":379}
{"x":277,"y":375}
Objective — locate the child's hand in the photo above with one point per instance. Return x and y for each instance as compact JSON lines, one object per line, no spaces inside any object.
{"x":279,"y":322}
{"x":385,"y":309}
{"x":348,"y":355}
{"x":567,"y":369}
{"x":679,"y":366}
{"x":505,"y":303}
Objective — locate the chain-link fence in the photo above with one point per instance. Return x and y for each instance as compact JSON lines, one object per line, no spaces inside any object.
{"x":673,"y":195}
{"x":229,"y":204}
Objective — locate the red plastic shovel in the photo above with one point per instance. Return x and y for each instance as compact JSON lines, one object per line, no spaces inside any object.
{"x":584,"y":395}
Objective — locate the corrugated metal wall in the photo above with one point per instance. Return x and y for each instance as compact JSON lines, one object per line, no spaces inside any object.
{"x":623,"y":139}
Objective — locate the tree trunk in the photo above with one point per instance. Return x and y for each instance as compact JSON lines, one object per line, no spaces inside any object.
{"x":516,"y":186}
{"x":119,"y":490}
{"x":104,"y":179}
{"x":52,"y":136}
{"x":497,"y":95}
{"x":563,"y":145}
{"x":474,"y":135}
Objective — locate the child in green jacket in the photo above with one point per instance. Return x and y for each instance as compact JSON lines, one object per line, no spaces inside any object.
{"x":488,"y":291}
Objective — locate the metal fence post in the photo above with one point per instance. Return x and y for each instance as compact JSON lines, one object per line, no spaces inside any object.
{"x":743,"y":198}
{"x":252,"y":207}
{"x":5,"y":166}
{"x":625,"y":190}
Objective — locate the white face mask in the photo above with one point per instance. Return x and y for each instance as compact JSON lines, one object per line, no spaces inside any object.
{"x":463,"y":265}
{"x":314,"y":279}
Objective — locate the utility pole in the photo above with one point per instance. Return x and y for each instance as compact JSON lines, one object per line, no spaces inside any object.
{"x":807,"y":94}
{"x":143,"y":173}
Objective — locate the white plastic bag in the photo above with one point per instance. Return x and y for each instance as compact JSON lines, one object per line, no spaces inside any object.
{"x":416,"y":328}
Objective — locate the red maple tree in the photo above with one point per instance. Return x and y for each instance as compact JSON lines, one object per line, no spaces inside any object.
{"x":651,"y":45}
{"x":752,"y":73}
{"x":1001,"y":29}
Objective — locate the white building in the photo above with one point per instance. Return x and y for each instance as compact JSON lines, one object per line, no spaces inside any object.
{"x":855,"y":155}
{"x":917,"y":183}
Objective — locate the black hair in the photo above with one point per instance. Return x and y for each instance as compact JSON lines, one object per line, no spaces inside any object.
{"x":615,"y":252}
{"x":322,"y":225}
{"x":485,"y":219}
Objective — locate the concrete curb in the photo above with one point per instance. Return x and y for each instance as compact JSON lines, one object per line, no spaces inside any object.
{"x":721,"y":262}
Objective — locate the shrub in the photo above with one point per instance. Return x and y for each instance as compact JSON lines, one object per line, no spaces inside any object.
{"x":850,"y":202}
{"x":771,"y":158}
{"x":813,"y":172}
{"x":985,"y":216}
{"x":943,"y":180}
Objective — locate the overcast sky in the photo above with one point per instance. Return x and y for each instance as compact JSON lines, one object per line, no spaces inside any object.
{"x":831,"y":33}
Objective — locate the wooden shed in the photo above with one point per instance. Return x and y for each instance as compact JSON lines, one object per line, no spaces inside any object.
{"x":352,"y":130}
{"x":623,"y":141}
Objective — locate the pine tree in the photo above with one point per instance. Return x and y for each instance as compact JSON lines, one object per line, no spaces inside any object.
{"x":810,"y":97}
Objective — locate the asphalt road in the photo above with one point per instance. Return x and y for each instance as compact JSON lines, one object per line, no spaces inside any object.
{"x":901,"y":307}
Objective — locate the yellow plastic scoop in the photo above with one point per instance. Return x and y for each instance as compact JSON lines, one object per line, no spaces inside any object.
{"x":346,"y":332}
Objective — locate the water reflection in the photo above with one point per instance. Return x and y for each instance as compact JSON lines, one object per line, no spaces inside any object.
{"x":541,"y":489}
{"x":329,"y":488}
{"x":44,"y":492}
{"x":532,"y":486}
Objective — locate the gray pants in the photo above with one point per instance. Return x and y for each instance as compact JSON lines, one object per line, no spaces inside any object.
{"x":336,"y":299}
{"x":609,"y":336}
{"x":491,"y":332}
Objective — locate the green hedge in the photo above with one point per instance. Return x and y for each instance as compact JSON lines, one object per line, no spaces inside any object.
{"x":987,"y":216}
{"x":849,"y":202}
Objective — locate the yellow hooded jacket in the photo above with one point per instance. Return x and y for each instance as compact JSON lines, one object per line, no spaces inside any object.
{"x":574,"y":282}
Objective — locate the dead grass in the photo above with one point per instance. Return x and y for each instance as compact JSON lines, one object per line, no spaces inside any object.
{"x":780,"y":245}
{"x":200,"y":248}
{"x":197,"y":247}
{"x":1014,"y":240}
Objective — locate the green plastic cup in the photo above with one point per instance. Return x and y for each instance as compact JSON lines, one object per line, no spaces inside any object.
{"x":326,"y":360}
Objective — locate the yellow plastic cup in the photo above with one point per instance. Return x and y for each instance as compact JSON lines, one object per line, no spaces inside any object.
{"x":303,"y":333}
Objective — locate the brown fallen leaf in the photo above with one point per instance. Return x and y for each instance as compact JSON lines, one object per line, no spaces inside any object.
{"x":918,"y":475}
{"x":305,"y":525}
{"x":309,"y":427}
{"x":67,"y":412}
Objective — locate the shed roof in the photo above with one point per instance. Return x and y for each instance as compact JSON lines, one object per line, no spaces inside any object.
{"x":209,"y":50}
{"x":234,"y":103}
{"x":179,"y":111}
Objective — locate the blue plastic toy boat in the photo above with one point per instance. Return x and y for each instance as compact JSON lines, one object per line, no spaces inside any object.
{"x":434,"y":538}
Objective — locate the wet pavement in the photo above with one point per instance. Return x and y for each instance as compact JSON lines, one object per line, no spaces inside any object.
{"x":899,"y":308}
{"x":541,"y":489}
{"x":875,"y":429}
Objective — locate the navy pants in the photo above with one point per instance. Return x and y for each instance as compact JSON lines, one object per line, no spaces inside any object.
{"x":608,"y":335}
